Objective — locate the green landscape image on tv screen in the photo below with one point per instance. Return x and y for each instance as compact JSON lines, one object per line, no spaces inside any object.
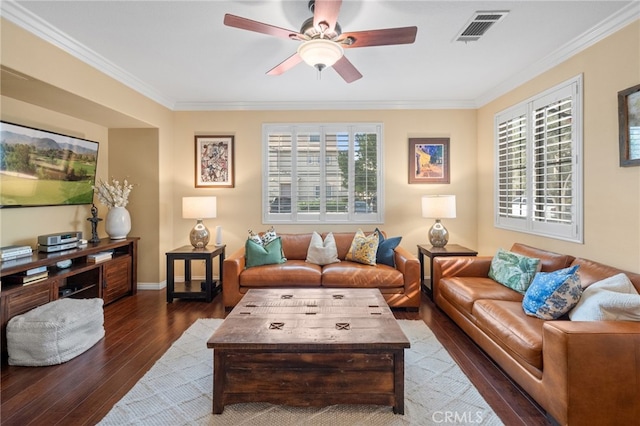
{"x":42,"y":168}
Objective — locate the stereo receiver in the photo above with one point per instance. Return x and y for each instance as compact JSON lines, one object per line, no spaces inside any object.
{"x":59,"y":238}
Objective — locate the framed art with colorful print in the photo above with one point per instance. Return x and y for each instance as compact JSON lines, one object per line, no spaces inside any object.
{"x":429,"y":160}
{"x":214,"y":161}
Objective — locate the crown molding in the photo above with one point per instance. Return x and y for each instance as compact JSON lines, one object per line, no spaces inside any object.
{"x":322,"y":105}
{"x":26,"y":20}
{"x":605,"y":28}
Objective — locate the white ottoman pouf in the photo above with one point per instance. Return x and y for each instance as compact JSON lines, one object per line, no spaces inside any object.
{"x":55,"y":333}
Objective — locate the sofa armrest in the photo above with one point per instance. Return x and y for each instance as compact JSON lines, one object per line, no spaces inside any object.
{"x":593,"y":369}
{"x":408,"y":264}
{"x":459,"y":266}
{"x":232,"y":267}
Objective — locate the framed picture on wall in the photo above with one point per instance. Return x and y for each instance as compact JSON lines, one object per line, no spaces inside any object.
{"x":629,"y":122}
{"x":429,"y":160}
{"x":214,"y":161}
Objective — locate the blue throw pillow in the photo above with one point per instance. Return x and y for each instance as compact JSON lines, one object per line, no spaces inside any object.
{"x":553,"y":294}
{"x":386,"y":246}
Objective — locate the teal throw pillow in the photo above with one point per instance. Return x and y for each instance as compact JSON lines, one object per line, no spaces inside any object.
{"x":513,"y":270}
{"x":268,"y":254}
{"x":553,"y":294}
{"x":386,"y":246}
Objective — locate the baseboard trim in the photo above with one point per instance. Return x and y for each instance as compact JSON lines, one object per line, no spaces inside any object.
{"x":152,"y":286}
{"x":163,"y":284}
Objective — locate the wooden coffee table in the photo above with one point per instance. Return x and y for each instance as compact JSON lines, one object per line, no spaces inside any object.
{"x":309,"y":347}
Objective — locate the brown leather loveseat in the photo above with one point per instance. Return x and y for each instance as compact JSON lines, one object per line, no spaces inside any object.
{"x":580,"y":372}
{"x":399,"y":286}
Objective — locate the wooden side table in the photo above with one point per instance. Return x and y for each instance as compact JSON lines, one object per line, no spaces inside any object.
{"x":196,"y":289}
{"x":432,"y":252}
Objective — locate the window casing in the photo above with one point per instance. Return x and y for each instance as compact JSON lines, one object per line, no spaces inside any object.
{"x":538,"y":146}
{"x":322,"y":173}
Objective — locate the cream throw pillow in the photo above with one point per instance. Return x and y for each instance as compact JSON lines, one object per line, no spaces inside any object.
{"x":322,"y":252}
{"x":612,"y":299}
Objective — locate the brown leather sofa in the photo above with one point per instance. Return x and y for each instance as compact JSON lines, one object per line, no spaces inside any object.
{"x":399,"y":286}
{"x":579,"y":372}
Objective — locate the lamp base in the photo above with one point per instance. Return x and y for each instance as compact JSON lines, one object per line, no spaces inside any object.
{"x":438,"y":235}
{"x":199,"y":235}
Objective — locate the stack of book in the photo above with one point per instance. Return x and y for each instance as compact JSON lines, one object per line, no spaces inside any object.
{"x":28,"y":277}
{"x":99,"y":257}
{"x":14,"y":252}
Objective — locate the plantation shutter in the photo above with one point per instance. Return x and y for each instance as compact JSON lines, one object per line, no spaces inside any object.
{"x":335,"y":192}
{"x":280,"y":168}
{"x":512,"y":166}
{"x":539,"y":174}
{"x":365,"y":173}
{"x":322,"y":173}
{"x":553,"y":162}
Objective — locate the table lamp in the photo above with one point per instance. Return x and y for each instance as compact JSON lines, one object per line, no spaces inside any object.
{"x":199,"y":208}
{"x":438,"y":207}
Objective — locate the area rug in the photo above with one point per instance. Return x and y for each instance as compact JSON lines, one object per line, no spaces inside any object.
{"x":178,"y":390}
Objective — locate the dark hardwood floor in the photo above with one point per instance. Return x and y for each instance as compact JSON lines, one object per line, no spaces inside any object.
{"x":141,"y":328}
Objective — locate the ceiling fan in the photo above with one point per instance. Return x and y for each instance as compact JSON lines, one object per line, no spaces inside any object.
{"x":323,"y":41}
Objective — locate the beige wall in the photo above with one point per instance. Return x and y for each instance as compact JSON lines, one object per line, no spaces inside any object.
{"x":239,"y":209}
{"x":611,"y":192}
{"x":71,"y":97}
{"x":155,"y":147}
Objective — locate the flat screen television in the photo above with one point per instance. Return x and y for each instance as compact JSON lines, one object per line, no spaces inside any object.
{"x":42,"y":168}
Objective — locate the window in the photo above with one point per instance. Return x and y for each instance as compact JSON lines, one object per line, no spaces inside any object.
{"x":329,"y":173}
{"x":539,"y":172}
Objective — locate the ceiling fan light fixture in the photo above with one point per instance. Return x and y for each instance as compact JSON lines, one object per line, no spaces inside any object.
{"x":320,"y":53}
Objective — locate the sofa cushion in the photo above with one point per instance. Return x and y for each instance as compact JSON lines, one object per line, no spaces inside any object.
{"x":611,"y":299}
{"x":293,"y":273}
{"x":549,"y":260}
{"x":258,"y":255}
{"x":553,"y":294}
{"x":591,"y":272}
{"x":518,"y":334}
{"x":513,"y":270}
{"x":386,"y":254}
{"x":462,"y":292}
{"x":363,"y":248}
{"x":295,"y":246}
{"x":357,"y":275}
{"x":322,"y":252}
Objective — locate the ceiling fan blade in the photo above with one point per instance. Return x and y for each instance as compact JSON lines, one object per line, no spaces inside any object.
{"x":285,"y":65}
{"x":384,"y":37}
{"x":259,"y":27}
{"x":346,"y":70}
{"x":325,"y":14}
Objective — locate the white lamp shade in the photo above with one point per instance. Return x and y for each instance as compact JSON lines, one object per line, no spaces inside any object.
{"x":320,"y":52}
{"x":199,"y":207}
{"x":439,"y":206}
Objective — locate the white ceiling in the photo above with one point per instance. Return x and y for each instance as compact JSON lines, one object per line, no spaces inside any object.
{"x":180,"y":54}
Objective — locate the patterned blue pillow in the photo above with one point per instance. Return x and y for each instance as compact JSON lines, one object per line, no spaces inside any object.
{"x":386,"y":246}
{"x":553,"y":294}
{"x":513,"y":270}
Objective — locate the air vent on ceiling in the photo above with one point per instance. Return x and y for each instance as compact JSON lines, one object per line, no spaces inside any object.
{"x":479,"y":24}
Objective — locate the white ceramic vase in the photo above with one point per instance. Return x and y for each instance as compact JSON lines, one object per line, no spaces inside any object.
{"x":118,"y":223}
